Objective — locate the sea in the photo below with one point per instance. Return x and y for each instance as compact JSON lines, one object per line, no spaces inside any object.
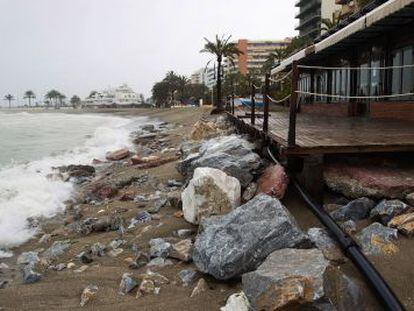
{"x":31,"y":144}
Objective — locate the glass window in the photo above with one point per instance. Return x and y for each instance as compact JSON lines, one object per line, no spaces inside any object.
{"x":407,"y":73}
{"x":396,"y":73}
{"x":363,"y":80}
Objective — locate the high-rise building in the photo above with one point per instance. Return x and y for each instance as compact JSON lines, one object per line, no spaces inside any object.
{"x":255,"y":53}
{"x":204,"y":76}
{"x":311,"y":13}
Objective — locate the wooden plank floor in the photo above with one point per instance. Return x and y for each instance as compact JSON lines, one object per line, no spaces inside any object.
{"x":319,"y":134}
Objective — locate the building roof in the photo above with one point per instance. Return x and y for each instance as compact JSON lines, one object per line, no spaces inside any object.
{"x":358,"y":28}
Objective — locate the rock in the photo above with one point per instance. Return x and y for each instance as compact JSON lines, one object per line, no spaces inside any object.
{"x":88,"y":294}
{"x":404,"y":223}
{"x":184,"y":233}
{"x":240,"y":241}
{"x":237,"y":302}
{"x":84,"y":257}
{"x":188,"y":276}
{"x":159,"y":248}
{"x":81,"y":269}
{"x":3,"y":283}
{"x":210,"y":192}
{"x":201,"y":287}
{"x":115,"y":252}
{"x":249,"y":192}
{"x":141,"y":259}
{"x":127,"y":284}
{"x":287,"y":277}
{"x":410,"y":199}
{"x":182,"y":250}
{"x":330,"y":249}
{"x":159,"y":262}
{"x":117,"y":155}
{"x":136,"y":160}
{"x":58,"y":267}
{"x":127,"y":196}
{"x":45,"y":239}
{"x":354,"y":210}
{"x":174,"y":183}
{"x":349,"y":227}
{"x":29,"y":275}
{"x":387,"y":210}
{"x":369,"y":180}
{"x":115,"y":244}
{"x":148,"y":127}
{"x":158,"y":204}
{"x":71,"y":265}
{"x":77,"y":171}
{"x":146,"y":287}
{"x":188,"y":147}
{"x":141,"y":218}
{"x":344,"y":292}
{"x":376,"y":239}
{"x":273,"y":181}
{"x":28,"y":258}
{"x":202,"y":130}
{"x":3,"y":266}
{"x":231,"y":154}
{"x":98,"y":249}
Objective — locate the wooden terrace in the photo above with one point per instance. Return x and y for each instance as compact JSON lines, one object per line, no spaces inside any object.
{"x":317,"y":134}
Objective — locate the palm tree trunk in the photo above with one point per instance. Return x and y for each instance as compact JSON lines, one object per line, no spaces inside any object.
{"x":219,"y":103}
{"x":9,"y":103}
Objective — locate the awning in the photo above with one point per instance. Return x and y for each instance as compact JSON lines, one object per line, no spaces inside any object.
{"x":391,"y":14}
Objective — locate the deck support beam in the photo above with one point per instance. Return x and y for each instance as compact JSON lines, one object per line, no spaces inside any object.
{"x":311,"y":176}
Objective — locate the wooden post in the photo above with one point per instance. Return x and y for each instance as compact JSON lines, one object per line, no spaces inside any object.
{"x":266,"y":104}
{"x":293,"y":108}
{"x":232,"y":103}
{"x":253,"y":106}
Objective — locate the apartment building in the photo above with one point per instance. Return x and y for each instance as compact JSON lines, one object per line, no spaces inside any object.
{"x":204,"y":76}
{"x":311,"y":13}
{"x":255,"y":53}
{"x":119,"y":96}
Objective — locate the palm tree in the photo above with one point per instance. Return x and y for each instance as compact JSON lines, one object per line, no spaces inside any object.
{"x":222,"y":48}
{"x":61,"y":98}
{"x":9,"y":98}
{"x":75,"y":101}
{"x":327,"y":23}
{"x":53,"y":95}
{"x":276,"y":57}
{"x":29,"y":95}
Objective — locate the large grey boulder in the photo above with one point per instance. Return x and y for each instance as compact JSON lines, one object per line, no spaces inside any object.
{"x":287,"y":277}
{"x":354,"y":210}
{"x":232,"y":154}
{"x":238,"y":242}
{"x":210,"y":192}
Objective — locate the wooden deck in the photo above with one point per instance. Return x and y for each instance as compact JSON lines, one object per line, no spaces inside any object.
{"x":324,"y":135}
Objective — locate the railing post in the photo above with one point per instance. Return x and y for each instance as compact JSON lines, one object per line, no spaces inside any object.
{"x":253,"y":105}
{"x":266,"y":104}
{"x":293,"y":108}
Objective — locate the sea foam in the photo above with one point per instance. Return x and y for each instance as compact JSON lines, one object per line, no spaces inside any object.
{"x":26,"y":193}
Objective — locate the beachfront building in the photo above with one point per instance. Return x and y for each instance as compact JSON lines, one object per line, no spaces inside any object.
{"x":255,"y":54}
{"x":364,"y":67}
{"x":122,"y":96}
{"x":311,"y":13}
{"x":204,"y":76}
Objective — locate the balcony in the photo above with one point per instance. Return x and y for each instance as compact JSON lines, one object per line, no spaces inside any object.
{"x":310,"y":6}
{"x":307,"y":21}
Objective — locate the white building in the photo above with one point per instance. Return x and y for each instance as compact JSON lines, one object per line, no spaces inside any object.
{"x":204,"y":76}
{"x":120,"y":96}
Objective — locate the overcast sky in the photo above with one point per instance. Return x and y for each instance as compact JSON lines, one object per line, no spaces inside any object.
{"x":76,"y":46}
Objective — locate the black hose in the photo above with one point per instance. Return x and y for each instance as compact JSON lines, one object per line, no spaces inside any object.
{"x":351,"y":249}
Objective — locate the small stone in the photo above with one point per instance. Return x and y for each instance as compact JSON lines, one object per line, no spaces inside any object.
{"x":117,"y":155}
{"x":145,"y":288}
{"x":376,"y":239}
{"x":71,"y":265}
{"x":410,"y":199}
{"x":3,"y":266}
{"x":88,"y":294}
{"x":174,"y":183}
{"x":237,"y":302}
{"x":250,"y":192}
{"x":57,"y":249}
{"x":349,"y":227}
{"x":157,"y":206}
{"x":157,"y":278}
{"x":188,"y":276}
{"x":127,"y":284}
{"x":28,"y":258}
{"x":45,"y":239}
{"x":201,"y":287}
{"x":81,"y":269}
{"x":84,"y":257}
{"x":59,"y":267}
{"x":159,"y":262}
{"x":388,"y":209}
{"x":114,"y":244}
{"x":178,"y":214}
{"x":98,"y":249}
{"x":141,"y":259}
{"x":3,"y":283}
{"x":142,"y":217}
{"x":159,"y":248}
{"x":184,"y":233}
{"x":29,"y":275}
{"x":182,"y":250}
{"x":354,"y":210}
{"x":115,"y":252}
{"x":404,"y":224}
